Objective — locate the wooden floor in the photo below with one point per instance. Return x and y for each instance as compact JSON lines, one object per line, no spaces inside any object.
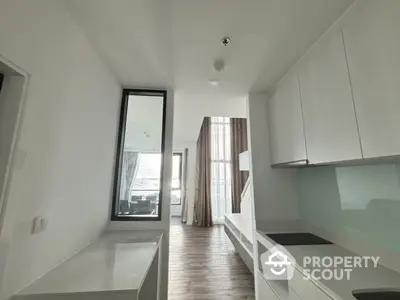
{"x":204,"y":266}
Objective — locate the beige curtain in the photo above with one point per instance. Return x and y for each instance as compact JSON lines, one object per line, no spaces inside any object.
{"x":129,"y":166}
{"x":238,"y":145}
{"x":202,"y":201}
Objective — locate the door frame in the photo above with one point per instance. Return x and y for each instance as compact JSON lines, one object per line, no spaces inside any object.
{"x":14,"y":157}
{"x":5,"y":185}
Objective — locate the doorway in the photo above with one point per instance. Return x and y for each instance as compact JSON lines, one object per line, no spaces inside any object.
{"x":12,"y":86}
{"x":13,"y":82}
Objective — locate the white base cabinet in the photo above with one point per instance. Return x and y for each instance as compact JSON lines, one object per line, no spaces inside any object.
{"x":293,"y":295}
{"x":238,"y":231}
{"x":305,"y":289}
{"x":265,"y":292}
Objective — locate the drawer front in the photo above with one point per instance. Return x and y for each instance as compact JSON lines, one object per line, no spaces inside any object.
{"x":305,"y":289}
{"x":293,"y":295}
{"x":264,"y":290}
{"x":228,"y":232}
{"x":248,"y":260}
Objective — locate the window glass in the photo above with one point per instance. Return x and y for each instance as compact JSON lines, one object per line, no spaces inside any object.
{"x":138,"y":190}
{"x":221,"y":199}
{"x":176,"y":193}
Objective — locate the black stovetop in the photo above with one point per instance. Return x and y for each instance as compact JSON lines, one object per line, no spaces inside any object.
{"x":298,"y":238}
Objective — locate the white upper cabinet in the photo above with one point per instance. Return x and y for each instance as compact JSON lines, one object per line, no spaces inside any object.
{"x":328,"y":109}
{"x":286,"y":122}
{"x":372,"y":37}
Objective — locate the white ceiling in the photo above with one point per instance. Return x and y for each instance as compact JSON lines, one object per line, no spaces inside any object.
{"x":173,"y":43}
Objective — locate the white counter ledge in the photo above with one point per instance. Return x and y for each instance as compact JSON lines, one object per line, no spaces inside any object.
{"x":243,"y":224}
{"x":380,"y":278}
{"x":369,"y":278}
{"x":117,"y":262}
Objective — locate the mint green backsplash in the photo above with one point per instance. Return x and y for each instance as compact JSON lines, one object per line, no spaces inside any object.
{"x":361,"y":202}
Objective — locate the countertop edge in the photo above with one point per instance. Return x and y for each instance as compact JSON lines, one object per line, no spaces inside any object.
{"x":144,"y":236}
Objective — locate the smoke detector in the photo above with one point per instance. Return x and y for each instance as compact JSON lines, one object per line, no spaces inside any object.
{"x":219,"y":65}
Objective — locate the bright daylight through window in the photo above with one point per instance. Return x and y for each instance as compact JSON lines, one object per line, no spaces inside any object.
{"x":221,"y":199}
{"x":146,"y":178}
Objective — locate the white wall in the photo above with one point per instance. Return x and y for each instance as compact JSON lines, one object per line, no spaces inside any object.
{"x":65,"y":153}
{"x":275,"y":193}
{"x":190,"y":109}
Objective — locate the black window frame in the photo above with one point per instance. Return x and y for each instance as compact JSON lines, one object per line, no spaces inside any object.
{"x":1,"y":81}
{"x":120,"y":149}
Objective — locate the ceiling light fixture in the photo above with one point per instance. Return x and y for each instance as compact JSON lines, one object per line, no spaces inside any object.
{"x":214,"y":82}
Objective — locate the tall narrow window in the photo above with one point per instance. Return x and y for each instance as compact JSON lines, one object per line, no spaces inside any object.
{"x":221,"y":199}
{"x":176,"y":196}
{"x":138,"y":177}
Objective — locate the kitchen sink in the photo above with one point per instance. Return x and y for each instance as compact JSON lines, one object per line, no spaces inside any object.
{"x":377,"y":295}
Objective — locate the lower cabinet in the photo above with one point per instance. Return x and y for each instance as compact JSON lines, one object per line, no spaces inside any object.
{"x":265,"y":292}
{"x":293,"y":295}
{"x":240,"y":248}
{"x":149,"y":289}
{"x":305,"y":289}
{"x":298,"y":288}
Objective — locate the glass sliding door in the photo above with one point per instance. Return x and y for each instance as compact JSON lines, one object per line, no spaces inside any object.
{"x":139,"y":168}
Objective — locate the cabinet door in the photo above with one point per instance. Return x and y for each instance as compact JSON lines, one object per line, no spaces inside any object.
{"x":304,"y":288}
{"x":293,"y":295}
{"x":265,"y":292}
{"x":329,"y":118}
{"x":286,"y":122}
{"x":372,"y":38}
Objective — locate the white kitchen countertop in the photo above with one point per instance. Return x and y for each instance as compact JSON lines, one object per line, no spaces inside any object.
{"x":380,"y":278}
{"x":117,"y":261}
{"x":243,"y":224}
